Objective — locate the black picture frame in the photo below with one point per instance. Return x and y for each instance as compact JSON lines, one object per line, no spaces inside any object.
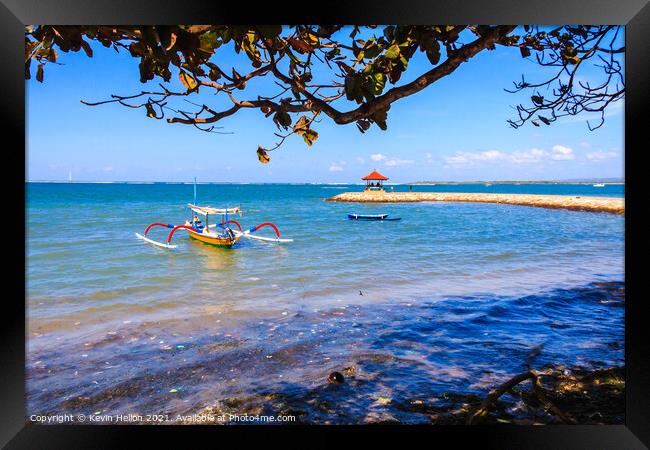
{"x":14,"y":14}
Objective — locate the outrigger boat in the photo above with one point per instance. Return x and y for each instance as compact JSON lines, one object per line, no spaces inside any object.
{"x":199,"y":231}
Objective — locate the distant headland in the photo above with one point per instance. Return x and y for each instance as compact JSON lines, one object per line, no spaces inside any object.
{"x":575,"y":181}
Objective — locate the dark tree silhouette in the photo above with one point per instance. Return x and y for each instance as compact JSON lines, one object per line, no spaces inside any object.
{"x":359,"y":63}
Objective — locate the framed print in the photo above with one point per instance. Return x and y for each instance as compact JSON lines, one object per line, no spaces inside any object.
{"x":371,"y":219}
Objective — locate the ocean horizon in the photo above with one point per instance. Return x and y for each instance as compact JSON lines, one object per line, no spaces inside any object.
{"x":444,"y":297}
{"x":414,"y":183}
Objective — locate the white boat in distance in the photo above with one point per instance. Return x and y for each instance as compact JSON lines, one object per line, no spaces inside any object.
{"x":599,"y":185}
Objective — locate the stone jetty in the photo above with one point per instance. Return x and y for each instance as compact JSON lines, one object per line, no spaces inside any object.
{"x":612,"y":205}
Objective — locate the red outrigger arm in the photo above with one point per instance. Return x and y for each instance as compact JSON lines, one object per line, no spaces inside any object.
{"x":178,"y":227}
{"x":232,"y":221}
{"x":157,"y":224}
{"x":266,"y":224}
{"x":168,"y":225}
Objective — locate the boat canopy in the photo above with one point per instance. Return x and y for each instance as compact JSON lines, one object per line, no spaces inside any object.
{"x":205,"y":210}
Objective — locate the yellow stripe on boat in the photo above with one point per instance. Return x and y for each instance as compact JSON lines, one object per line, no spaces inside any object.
{"x":219,"y":241}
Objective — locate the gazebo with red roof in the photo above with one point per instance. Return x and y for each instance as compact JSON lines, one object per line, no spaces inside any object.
{"x":374,"y":180}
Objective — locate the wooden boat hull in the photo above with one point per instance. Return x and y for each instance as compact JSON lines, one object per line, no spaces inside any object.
{"x":218,"y":241}
{"x":367,"y":216}
{"x":370,"y":217}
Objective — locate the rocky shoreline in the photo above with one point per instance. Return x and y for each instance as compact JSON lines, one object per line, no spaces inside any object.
{"x":557,"y":395}
{"x":612,"y":205}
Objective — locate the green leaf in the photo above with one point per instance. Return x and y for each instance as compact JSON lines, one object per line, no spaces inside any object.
{"x":363,"y":125}
{"x":380,"y":118}
{"x":282,"y":119}
{"x":301,"y":125}
{"x":371,"y":50}
{"x":306,"y":77}
{"x":236,"y":77}
{"x":376,"y":83}
{"x":309,"y":136}
{"x":392,"y":52}
{"x":404,"y":62}
{"x":262,"y":155}
{"x":380,"y":82}
{"x":352,"y":88}
{"x":573,"y":60}
{"x":344,"y":67}
{"x":146,"y":70}
{"x":187,"y":80}
{"x":300,"y":46}
{"x":569,"y":52}
{"x":251,"y":51}
{"x":137,"y":49}
{"x":214,"y":74}
{"x":209,"y":41}
{"x":389,"y":32}
{"x":332,"y":53}
{"x":87,"y":49}
{"x":302,"y":128}
{"x":311,"y":39}
{"x":150,"y":111}
{"x":433,"y":53}
{"x":39,"y":73}
{"x":52,"y":55}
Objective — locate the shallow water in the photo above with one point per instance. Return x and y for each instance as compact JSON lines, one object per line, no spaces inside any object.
{"x":453,"y":294}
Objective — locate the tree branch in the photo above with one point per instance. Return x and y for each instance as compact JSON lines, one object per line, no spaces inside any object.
{"x":382,"y":102}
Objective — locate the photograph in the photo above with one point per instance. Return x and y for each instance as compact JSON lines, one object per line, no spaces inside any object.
{"x":390,"y":224}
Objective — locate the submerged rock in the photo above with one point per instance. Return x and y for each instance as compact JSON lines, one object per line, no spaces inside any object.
{"x":335,"y":377}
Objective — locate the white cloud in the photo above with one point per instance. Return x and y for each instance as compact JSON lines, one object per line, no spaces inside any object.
{"x":337,"y":166}
{"x":360,"y":160}
{"x":398,"y":162}
{"x":584,"y":144}
{"x":472,"y":158}
{"x":390,"y":162}
{"x":599,"y":155}
{"x":107,"y":169}
{"x":530,"y":156}
{"x":429,"y":158}
{"x":562,"y":153}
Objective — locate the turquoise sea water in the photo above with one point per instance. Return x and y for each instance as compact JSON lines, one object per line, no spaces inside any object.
{"x":451,"y":294}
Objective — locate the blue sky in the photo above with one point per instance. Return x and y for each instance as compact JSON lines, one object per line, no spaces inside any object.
{"x":453,"y":130}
